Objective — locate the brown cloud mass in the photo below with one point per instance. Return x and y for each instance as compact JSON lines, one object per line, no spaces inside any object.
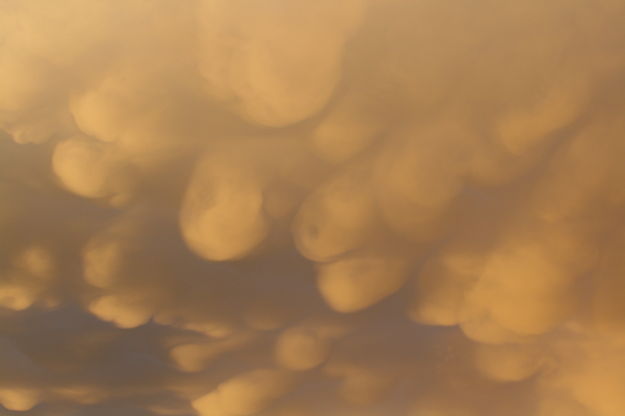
{"x":302,"y":208}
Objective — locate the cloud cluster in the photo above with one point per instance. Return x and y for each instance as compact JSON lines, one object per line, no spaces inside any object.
{"x":292,"y":208}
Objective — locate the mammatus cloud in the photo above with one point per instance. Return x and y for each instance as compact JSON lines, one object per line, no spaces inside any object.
{"x":291,"y":208}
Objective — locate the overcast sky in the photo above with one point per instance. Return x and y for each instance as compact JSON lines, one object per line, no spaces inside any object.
{"x":312,"y":208}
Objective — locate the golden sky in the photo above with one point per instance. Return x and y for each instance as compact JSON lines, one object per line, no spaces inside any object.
{"x":312,"y":208}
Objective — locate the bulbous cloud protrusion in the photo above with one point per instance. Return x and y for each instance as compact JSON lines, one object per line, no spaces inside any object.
{"x":355,"y":283}
{"x":258,"y":59}
{"x":222,"y":216}
{"x":337,"y":218}
{"x":246,"y":394}
{"x":92,"y":170}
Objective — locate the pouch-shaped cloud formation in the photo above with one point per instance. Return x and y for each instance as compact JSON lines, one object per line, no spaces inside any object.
{"x":302,"y":208}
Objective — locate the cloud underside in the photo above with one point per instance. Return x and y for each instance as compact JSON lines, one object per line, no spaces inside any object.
{"x":302,"y":208}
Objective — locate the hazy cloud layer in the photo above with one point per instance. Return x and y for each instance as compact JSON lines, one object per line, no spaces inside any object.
{"x":302,"y":208}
